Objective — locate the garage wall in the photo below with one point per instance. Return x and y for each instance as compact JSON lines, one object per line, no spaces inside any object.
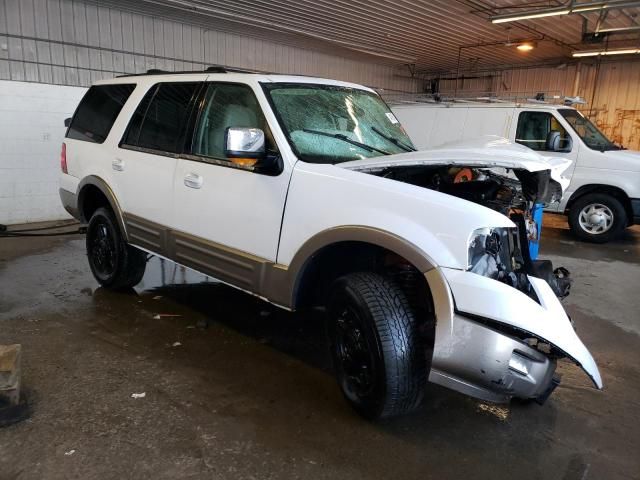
{"x":48,"y":47}
{"x":612,"y":91}
{"x":31,"y":133}
{"x":68,"y":42}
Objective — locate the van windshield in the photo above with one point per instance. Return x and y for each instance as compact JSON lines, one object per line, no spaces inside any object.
{"x":587,"y":131}
{"x":333,"y":124}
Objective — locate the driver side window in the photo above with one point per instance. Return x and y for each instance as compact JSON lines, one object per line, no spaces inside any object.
{"x":227,"y":105}
{"x":534,"y":128}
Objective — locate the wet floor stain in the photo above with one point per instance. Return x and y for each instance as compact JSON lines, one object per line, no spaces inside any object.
{"x":235,"y":388}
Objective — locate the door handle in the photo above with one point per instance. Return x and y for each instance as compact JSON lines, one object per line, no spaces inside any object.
{"x":118,"y":165}
{"x":193,"y":180}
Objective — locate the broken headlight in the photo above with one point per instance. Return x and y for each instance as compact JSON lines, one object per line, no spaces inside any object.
{"x":493,"y":253}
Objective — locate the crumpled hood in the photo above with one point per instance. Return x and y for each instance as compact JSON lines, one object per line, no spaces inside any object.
{"x":488,"y":151}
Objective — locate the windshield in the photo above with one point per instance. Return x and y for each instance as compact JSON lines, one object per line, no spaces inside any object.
{"x":332,"y":124}
{"x":587,"y":131}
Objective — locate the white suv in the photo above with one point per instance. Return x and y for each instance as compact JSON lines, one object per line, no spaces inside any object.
{"x":305,"y":192}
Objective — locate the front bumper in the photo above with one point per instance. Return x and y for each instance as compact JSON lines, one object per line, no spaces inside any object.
{"x":492,"y":366}
{"x":480,"y":326}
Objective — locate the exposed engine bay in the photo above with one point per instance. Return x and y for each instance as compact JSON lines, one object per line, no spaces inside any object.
{"x":497,"y":188}
{"x":498,"y":253}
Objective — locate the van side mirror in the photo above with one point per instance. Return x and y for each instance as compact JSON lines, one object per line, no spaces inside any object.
{"x":67,"y":122}
{"x":552,"y":144}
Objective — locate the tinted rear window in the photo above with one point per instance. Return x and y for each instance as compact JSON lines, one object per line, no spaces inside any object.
{"x":97,"y":111}
{"x":133,"y":130}
{"x":165,"y":117}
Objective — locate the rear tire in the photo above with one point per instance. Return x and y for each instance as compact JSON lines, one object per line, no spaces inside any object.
{"x":597,"y":217}
{"x":114,"y":264}
{"x":378,"y":355}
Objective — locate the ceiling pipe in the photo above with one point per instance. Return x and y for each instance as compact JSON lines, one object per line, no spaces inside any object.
{"x":571,"y":8}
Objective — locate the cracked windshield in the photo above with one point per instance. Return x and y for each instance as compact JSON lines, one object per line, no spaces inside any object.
{"x":327,"y":124}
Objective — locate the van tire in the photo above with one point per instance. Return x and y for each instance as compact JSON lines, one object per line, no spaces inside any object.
{"x":114,"y":263}
{"x":378,"y":356}
{"x":599,"y":202}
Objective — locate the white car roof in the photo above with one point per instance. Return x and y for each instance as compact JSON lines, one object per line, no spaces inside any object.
{"x":229,"y":77}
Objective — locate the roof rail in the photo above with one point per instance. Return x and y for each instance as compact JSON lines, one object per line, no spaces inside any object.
{"x":209,"y":69}
{"x":482,"y":98}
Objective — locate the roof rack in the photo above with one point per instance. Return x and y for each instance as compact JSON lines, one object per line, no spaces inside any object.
{"x":209,"y":69}
{"x":554,"y":98}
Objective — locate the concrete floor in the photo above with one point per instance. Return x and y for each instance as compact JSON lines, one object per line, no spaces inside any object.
{"x":236,"y":389}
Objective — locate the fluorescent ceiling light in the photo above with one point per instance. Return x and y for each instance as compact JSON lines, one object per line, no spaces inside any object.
{"x":589,"y":8}
{"x":546,"y":13}
{"x":573,"y":7}
{"x":625,"y":51}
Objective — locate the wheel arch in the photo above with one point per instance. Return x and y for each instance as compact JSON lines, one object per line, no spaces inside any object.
{"x":615,"y":192}
{"x":341,"y":250}
{"x":93,"y":193}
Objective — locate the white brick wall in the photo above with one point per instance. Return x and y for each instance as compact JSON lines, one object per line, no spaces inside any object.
{"x":31,"y":133}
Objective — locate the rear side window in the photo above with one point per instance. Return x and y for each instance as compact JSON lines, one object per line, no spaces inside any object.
{"x":97,"y":111}
{"x":133,"y":130}
{"x":160,"y":121}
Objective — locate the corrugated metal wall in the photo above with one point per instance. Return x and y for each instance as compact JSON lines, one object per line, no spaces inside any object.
{"x":612,"y":91}
{"x":69,"y":42}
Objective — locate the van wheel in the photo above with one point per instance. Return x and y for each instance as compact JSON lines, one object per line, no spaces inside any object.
{"x":113,"y":262}
{"x":597,"y":217}
{"x":378,"y":356}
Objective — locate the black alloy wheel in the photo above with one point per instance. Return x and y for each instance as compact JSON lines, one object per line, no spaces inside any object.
{"x":113,"y":262}
{"x":102,"y":250}
{"x":379,"y":357}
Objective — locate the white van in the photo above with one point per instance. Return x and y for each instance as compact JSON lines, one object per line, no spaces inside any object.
{"x":604,"y":194}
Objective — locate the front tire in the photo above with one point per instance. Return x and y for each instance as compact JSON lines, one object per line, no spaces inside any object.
{"x":597,"y":217}
{"x":114,"y":264}
{"x":379,"y":359}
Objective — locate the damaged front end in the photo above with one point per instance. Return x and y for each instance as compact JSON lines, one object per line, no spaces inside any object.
{"x":500,"y":327}
{"x":502,"y":253}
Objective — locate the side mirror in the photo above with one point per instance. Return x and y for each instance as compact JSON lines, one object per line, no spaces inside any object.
{"x":552,"y":144}
{"x":246,"y":146}
{"x":67,"y":122}
{"x":569,"y":145}
{"x":244,"y":143}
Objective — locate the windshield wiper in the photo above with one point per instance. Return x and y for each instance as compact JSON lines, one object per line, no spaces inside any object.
{"x":604,"y":147}
{"x":394,"y":140}
{"x":344,"y":138}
